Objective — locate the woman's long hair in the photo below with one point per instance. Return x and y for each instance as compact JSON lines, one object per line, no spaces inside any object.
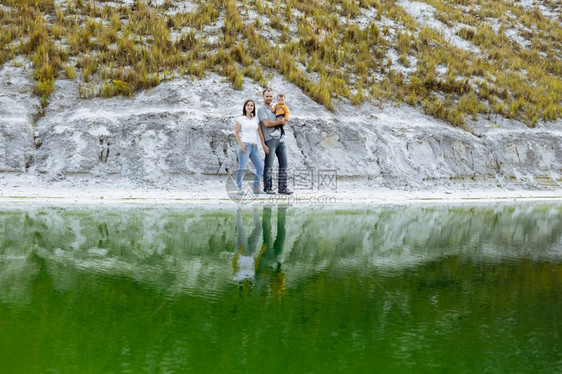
{"x":244,"y":108}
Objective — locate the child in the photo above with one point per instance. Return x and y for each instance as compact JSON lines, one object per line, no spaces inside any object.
{"x":281,"y":111}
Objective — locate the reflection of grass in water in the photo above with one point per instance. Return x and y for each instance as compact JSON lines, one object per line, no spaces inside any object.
{"x":397,"y":236}
{"x":487,"y":311}
{"x":343,"y":312}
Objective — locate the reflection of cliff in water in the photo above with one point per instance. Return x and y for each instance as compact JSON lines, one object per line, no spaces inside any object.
{"x":193,"y":251}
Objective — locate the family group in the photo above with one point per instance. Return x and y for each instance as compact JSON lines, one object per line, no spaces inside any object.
{"x":267,"y":128}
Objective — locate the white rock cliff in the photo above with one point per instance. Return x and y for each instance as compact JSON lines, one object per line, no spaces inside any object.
{"x":183,"y":130}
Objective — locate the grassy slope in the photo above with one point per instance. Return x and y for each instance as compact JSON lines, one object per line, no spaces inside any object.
{"x":361,"y":50}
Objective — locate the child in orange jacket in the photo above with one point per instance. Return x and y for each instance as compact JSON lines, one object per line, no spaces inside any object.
{"x":281,"y":110}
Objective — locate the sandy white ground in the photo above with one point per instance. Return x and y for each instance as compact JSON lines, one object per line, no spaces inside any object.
{"x":213,"y":192}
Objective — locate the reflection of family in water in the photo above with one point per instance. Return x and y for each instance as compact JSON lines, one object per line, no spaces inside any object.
{"x":260,"y":266}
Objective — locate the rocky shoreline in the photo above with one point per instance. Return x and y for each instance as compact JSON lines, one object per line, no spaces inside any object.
{"x":180,"y":134}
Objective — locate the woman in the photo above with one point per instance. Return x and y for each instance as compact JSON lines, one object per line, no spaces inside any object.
{"x":247,"y":130}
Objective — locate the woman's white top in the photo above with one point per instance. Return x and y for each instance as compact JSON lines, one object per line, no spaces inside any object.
{"x":248,"y":129}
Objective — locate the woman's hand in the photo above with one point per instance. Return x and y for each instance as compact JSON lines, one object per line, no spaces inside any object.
{"x":243,"y":148}
{"x":265,"y":149}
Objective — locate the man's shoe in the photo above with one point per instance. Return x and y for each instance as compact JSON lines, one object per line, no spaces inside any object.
{"x":270,"y":192}
{"x":286,"y":192}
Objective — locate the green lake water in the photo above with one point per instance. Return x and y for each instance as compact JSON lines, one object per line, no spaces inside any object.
{"x":424,"y":288}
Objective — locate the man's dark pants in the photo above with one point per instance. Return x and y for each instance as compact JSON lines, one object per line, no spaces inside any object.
{"x":278,"y":150}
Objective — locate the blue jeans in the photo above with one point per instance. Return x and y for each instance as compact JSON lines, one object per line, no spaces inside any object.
{"x":253,"y":154}
{"x":279,"y":150}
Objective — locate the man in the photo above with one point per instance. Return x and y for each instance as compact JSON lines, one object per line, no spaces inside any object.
{"x":268,"y":121}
